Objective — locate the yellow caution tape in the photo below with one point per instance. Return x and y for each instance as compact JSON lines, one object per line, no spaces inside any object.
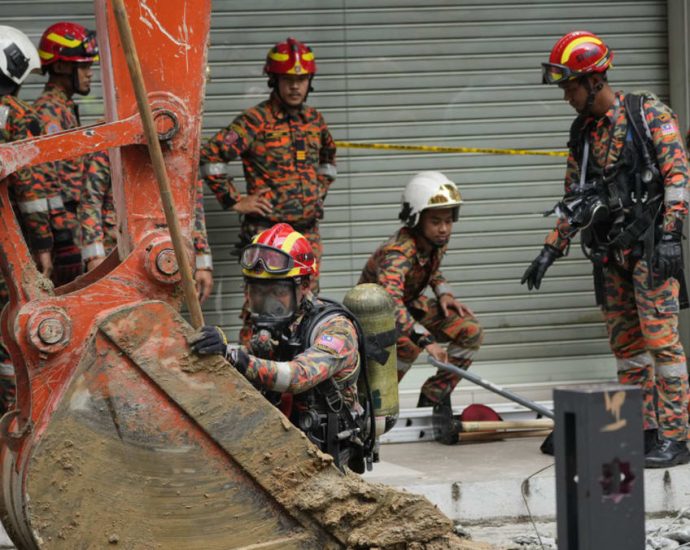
{"x":437,"y":149}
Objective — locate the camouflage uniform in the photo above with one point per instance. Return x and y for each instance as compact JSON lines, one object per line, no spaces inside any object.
{"x":98,"y":221}
{"x":404,"y":271}
{"x":58,"y":113}
{"x":288,"y":160}
{"x":334,"y":354}
{"x":642,"y":322}
{"x":35,"y":198}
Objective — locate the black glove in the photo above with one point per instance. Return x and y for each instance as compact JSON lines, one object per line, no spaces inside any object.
{"x":535,"y":272}
{"x":238,"y":358}
{"x":668,"y":256}
{"x":209,"y":340}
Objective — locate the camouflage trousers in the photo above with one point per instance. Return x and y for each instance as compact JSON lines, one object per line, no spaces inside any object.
{"x":464,"y":335}
{"x":313,"y":236}
{"x":642,"y":324}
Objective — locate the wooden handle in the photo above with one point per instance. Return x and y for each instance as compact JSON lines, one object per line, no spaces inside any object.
{"x":481,"y":426}
{"x":188,"y":287}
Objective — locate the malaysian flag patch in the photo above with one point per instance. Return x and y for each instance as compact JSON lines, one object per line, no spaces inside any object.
{"x":668,"y":129}
{"x":330,"y":342}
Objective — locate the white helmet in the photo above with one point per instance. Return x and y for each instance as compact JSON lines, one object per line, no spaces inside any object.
{"x":428,"y":190}
{"x":18,"y":55}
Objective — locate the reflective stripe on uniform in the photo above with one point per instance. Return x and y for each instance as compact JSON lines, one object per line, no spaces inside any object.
{"x":444,"y":289}
{"x":55,"y":203}
{"x":676,"y":194}
{"x":675,"y":370}
{"x":6,"y":369}
{"x":214,"y":169}
{"x":639,"y":361}
{"x":29,"y":207}
{"x":204,"y":261}
{"x":456,"y":352}
{"x":283,"y":376}
{"x":327,"y":170}
{"x":93,"y":250}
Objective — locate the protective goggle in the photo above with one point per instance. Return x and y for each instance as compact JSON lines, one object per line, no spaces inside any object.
{"x":552,"y":73}
{"x":272,"y":259}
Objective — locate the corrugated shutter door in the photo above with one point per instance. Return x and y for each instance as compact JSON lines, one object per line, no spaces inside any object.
{"x":464,"y":73}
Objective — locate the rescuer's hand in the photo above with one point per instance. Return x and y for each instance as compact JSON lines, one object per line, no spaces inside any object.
{"x":44,"y":261}
{"x":448,"y":303}
{"x":203,"y":280}
{"x":209,"y":340}
{"x":238,"y":358}
{"x":668,"y":256}
{"x":437,"y":351}
{"x":535,"y":272}
{"x":253,"y":204}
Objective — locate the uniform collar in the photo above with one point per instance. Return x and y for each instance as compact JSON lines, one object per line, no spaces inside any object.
{"x":59,"y":91}
{"x":611,"y":115}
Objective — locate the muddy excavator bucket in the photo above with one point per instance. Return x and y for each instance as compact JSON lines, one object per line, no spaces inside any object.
{"x":122,"y":437}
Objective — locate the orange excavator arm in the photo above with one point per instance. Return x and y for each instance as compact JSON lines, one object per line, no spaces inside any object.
{"x":120,"y":434}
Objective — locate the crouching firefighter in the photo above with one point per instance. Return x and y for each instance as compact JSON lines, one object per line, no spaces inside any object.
{"x":626,"y":192}
{"x":303,"y":347}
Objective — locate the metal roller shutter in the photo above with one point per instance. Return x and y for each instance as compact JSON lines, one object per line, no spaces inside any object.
{"x":454,"y":73}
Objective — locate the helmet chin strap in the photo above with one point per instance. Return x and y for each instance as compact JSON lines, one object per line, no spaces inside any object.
{"x":592,"y":92}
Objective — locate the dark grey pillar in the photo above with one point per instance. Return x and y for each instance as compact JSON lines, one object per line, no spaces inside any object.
{"x":599,"y":468}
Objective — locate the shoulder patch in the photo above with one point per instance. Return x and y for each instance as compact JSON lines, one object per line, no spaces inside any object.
{"x":331,"y":342}
{"x":668,"y":129}
{"x":52,"y":128}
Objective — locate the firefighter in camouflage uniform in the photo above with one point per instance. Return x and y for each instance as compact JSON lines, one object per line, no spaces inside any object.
{"x":96,"y":213}
{"x":35,"y":197}
{"x":67,"y":51}
{"x":626,"y":192}
{"x":405,"y":266}
{"x":287,"y":152}
{"x":301,"y":346}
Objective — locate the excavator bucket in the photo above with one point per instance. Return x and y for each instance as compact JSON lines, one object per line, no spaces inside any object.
{"x":120,"y":435}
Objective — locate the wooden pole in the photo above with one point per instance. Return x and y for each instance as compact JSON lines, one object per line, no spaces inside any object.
{"x":154,"y":147}
{"x":481,"y":426}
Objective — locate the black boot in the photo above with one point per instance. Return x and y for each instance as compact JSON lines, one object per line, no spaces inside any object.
{"x":667,"y":453}
{"x":651,"y":438}
{"x":446,"y":427}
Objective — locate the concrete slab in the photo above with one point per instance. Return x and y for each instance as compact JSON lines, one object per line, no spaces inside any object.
{"x":501,"y":481}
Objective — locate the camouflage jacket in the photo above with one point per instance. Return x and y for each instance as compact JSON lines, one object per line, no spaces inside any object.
{"x":404,"y":271}
{"x":334,"y":353}
{"x":289,"y":160}
{"x":607,"y":139}
{"x":58,"y":112}
{"x":98,"y":221}
{"x":32,"y":189}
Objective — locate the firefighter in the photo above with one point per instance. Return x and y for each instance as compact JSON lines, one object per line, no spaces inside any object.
{"x":96,"y":213}
{"x":405,"y":266}
{"x":67,"y":51}
{"x":31,"y":190}
{"x":287,"y":152}
{"x":626,"y":192}
{"x":301,"y":346}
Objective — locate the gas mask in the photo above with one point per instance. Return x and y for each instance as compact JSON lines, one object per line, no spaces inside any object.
{"x":272,"y":303}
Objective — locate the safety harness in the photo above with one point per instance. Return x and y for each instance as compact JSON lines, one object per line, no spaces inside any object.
{"x":619,"y":208}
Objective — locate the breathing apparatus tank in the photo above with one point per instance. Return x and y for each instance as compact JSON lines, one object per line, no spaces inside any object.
{"x":375,"y":310}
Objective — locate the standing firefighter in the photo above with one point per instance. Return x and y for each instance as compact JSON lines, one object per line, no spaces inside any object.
{"x":404,"y":266}
{"x":31,"y":190}
{"x":67,"y":51}
{"x":301,"y":346}
{"x":626,"y":191}
{"x":287,"y":152}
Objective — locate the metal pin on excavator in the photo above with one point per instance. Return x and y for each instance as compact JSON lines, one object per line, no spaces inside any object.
{"x":121,"y":436}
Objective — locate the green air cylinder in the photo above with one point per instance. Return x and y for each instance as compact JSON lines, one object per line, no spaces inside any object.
{"x":375,"y":310}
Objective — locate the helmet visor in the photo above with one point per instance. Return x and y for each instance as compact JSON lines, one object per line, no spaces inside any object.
{"x":553,"y":73}
{"x":271,"y":259}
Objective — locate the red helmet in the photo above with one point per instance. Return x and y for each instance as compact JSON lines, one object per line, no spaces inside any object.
{"x":66,"y":41}
{"x":290,"y":57}
{"x":577,"y":54}
{"x":279,"y":252}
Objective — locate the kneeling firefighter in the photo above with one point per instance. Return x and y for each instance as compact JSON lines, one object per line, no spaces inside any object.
{"x":303,"y":347}
{"x":626,"y":192}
